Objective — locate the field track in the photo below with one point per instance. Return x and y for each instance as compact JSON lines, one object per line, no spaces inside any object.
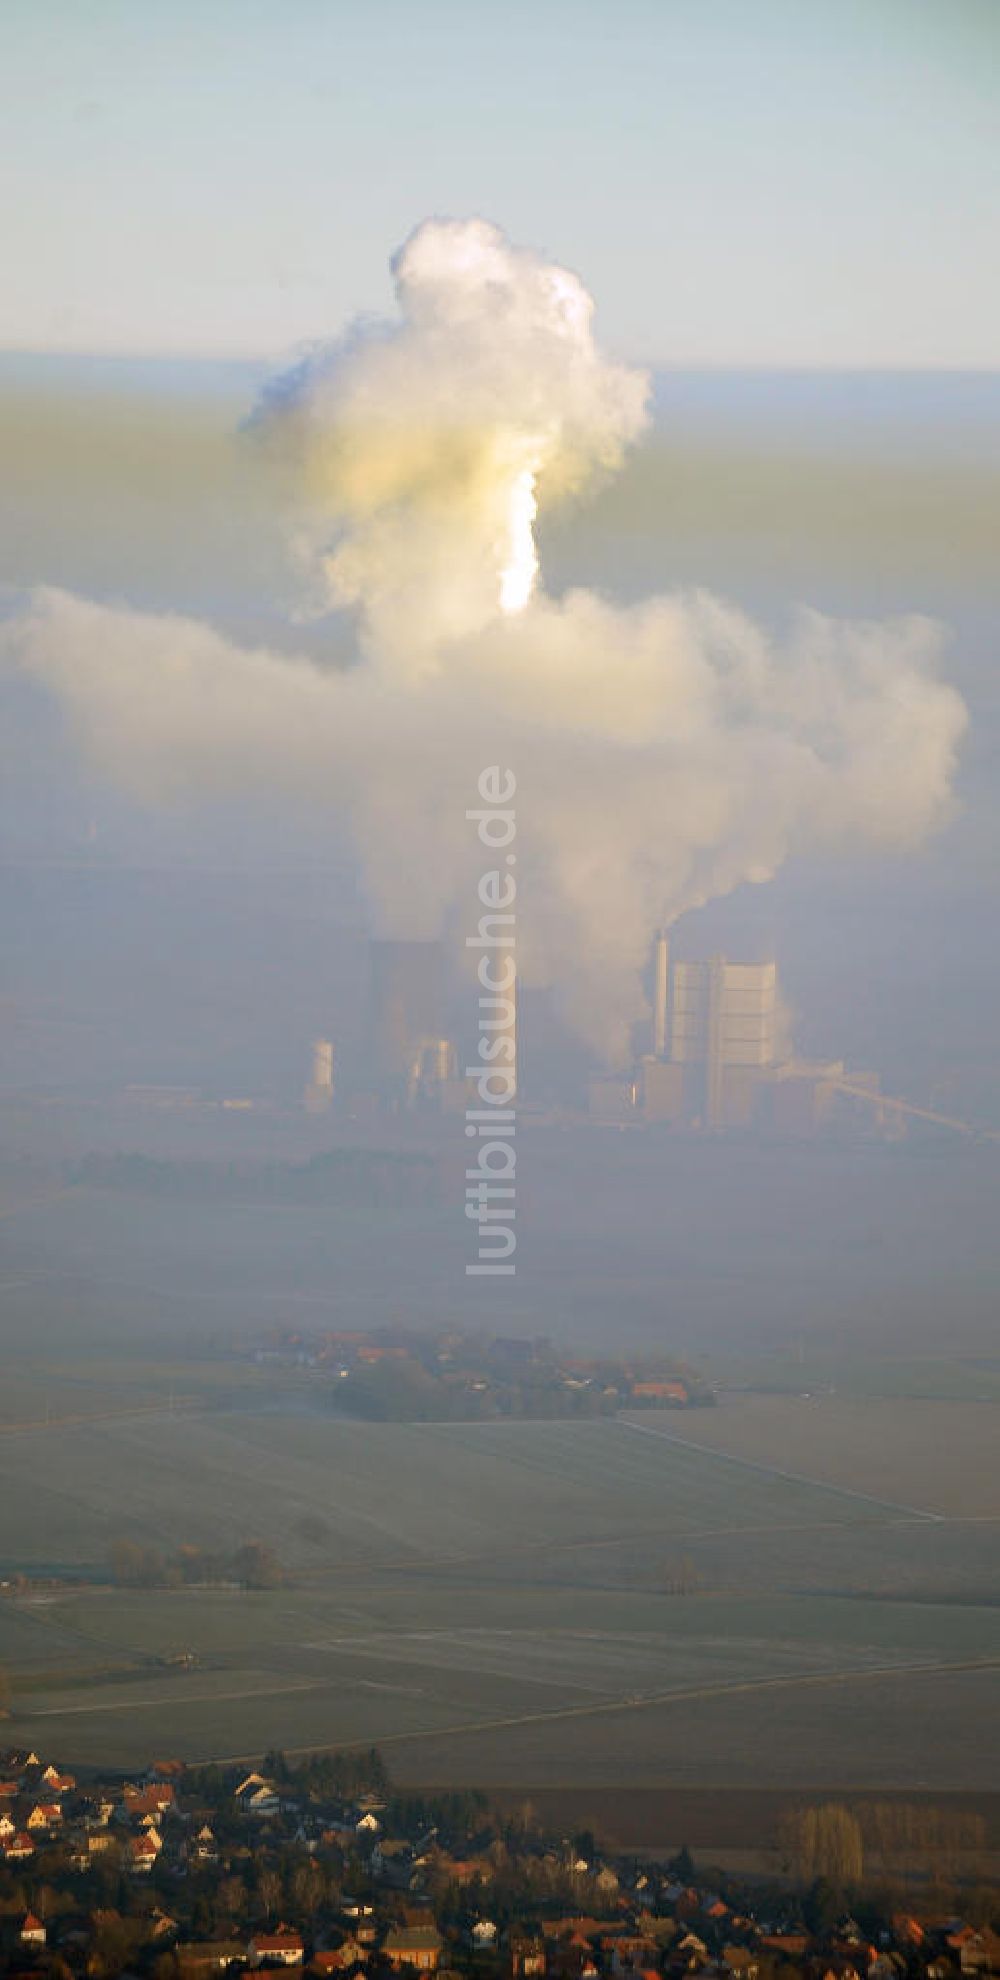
{"x":774,"y":1470}
{"x":810,"y":1679}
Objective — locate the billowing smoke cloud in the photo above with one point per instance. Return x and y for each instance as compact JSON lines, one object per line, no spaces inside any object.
{"x":424,"y":448}
{"x":664,"y":752}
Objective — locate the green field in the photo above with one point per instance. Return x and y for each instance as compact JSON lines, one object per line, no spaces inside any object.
{"x":491,"y":1603}
{"x":391,"y":1494}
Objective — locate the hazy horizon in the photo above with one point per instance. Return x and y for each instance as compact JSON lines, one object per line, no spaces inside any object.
{"x":500,"y":892}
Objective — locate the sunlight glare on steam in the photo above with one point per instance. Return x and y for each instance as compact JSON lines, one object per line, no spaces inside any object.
{"x":518,"y":576}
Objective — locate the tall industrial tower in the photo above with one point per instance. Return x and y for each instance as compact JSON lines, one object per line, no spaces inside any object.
{"x":406,"y":1014}
{"x":723,"y":1020}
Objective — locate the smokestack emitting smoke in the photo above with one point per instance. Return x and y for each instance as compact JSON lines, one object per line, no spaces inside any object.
{"x":661,"y":993}
{"x":664,"y":752}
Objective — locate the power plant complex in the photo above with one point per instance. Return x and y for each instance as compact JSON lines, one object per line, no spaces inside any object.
{"x":713,"y":1056}
{"x":717,"y":1058}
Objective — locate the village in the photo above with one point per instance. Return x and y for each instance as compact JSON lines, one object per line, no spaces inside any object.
{"x":398,"y":1373}
{"x":321,"y":1866}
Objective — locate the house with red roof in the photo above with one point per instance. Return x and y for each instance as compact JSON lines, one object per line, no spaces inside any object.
{"x":18,"y":1847}
{"x":142,"y":1851}
{"x":281,"y":1948}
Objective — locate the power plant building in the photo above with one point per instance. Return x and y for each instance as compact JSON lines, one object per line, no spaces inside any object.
{"x":407,"y":1033}
{"x":723,"y":1020}
{"x":719,"y":1059}
{"x":714,"y":1039}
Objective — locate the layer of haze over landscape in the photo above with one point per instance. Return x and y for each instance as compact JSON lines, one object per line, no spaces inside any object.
{"x":289,"y":551}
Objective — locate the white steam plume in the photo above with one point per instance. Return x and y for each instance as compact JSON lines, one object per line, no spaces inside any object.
{"x":664,"y":752}
{"x":424,"y":448}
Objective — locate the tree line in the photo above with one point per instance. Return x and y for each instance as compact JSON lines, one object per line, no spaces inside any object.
{"x":251,"y":1565}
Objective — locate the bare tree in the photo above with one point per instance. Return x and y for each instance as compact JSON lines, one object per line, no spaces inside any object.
{"x":824,"y":1842}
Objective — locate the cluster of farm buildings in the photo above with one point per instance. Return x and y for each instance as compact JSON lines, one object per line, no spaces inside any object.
{"x":502,"y":1370}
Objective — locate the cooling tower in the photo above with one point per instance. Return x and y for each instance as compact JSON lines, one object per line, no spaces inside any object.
{"x":322,"y":1074}
{"x":319,"y":1092}
{"x":406,"y":1010}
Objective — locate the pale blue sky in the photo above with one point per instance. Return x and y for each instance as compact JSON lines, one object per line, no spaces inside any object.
{"x":738,"y":181}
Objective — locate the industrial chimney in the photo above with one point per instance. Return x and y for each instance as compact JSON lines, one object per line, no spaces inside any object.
{"x":661,"y":981}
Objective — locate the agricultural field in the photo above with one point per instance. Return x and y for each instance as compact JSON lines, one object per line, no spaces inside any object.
{"x":511,"y":1604}
{"x":934,"y":1453}
{"x":58,"y":1391}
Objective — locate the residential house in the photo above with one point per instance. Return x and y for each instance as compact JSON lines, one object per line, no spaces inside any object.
{"x":97,"y":1842}
{"x":419,"y":1946}
{"x":202,"y":1847}
{"x":142,"y":1851}
{"x":258,"y":1799}
{"x":90,"y":1847}
{"x":281,"y":1948}
{"x":41,"y":1817}
{"x":57,"y":1783}
{"x":18,"y":1847}
{"x":158,"y":1798}
{"x":345,"y":1958}
{"x":253,"y":1791}
{"x":526,"y":1951}
{"x":977,"y":1951}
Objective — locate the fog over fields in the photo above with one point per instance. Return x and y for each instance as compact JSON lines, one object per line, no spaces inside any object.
{"x":492,"y":1603}
{"x":496,"y":1603}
